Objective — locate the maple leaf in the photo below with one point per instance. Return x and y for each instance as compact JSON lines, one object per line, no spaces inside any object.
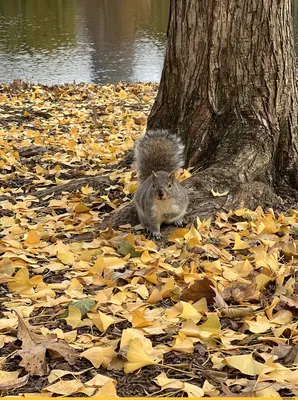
{"x":34,"y":349}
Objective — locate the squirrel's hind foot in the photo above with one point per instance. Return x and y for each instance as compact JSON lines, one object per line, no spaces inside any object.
{"x":156,"y":235}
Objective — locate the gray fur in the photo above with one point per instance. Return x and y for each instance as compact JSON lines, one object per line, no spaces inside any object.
{"x":159,"y":198}
{"x":158,"y":150}
{"x":153,"y":211}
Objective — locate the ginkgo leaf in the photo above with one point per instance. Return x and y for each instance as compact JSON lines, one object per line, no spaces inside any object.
{"x":66,"y":257}
{"x":7,"y":382}
{"x":239,"y":244}
{"x":22,"y":284}
{"x":137,"y":357}
{"x":66,"y":388}
{"x":32,"y":238}
{"x":99,"y":355}
{"x":100,"y":380}
{"x":103,"y":321}
{"x":74,"y":317}
{"x":165,"y":383}
{"x":189,"y":312}
{"x":246,"y":364}
{"x":183,"y":345}
{"x":107,"y":390}
{"x":84,"y":305}
{"x":139,"y":321}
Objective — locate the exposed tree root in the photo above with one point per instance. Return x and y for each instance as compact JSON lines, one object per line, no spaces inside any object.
{"x":203,"y":204}
{"x":126,"y":215}
{"x":32,"y":151}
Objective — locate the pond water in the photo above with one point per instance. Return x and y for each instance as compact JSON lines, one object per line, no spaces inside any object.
{"x":99,"y":41}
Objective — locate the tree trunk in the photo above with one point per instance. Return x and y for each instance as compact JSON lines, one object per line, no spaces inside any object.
{"x":228,"y":88}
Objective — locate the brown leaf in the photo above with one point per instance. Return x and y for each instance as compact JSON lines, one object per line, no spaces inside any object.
{"x":291,"y":302}
{"x":243,"y":291}
{"x":34,"y":349}
{"x":236,"y":312}
{"x":197,"y":290}
{"x":286,"y":354}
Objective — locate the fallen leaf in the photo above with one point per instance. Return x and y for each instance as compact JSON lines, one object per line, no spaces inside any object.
{"x":34,"y":349}
{"x":197,"y":290}
{"x":137,"y":357}
{"x":245,"y":364}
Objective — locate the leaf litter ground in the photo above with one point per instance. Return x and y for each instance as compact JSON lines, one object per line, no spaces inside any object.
{"x":211,"y":312}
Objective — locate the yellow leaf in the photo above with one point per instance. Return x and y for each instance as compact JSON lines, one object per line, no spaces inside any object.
{"x":6,"y":376}
{"x":107,"y":390}
{"x":22,"y":283}
{"x":239,"y":244}
{"x":87,"y":190}
{"x":190,"y":328}
{"x":137,"y":357}
{"x":167,"y":290}
{"x":146,"y":257}
{"x":74,"y":317}
{"x":130,"y":333}
{"x":65,"y":388}
{"x":259,"y":326}
{"x":33,"y":237}
{"x":154,"y":297}
{"x":99,"y":380}
{"x":103,"y":321}
{"x":189,"y":312}
{"x":282,"y":317}
{"x":142,"y":291}
{"x":166,"y":383}
{"x":65,"y":257}
{"x":211,"y":327}
{"x":122,"y":94}
{"x":193,"y":390}
{"x":99,"y":355}
{"x":81,"y":208}
{"x":178,"y":234}
{"x":183,"y":345}
{"x":245,"y":364}
{"x":139,"y":321}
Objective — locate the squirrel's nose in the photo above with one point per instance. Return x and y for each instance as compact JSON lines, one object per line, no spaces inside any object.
{"x":161,"y":194}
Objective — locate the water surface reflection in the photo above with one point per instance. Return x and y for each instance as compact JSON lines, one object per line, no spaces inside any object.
{"x":100,"y":41}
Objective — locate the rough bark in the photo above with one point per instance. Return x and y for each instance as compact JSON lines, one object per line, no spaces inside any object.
{"x":228,"y":88}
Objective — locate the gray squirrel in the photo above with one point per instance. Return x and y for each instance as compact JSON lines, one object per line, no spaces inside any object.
{"x":159,"y":198}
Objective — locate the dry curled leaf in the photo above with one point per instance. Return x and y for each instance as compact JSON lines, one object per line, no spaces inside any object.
{"x":14,"y":384}
{"x":236,"y":312}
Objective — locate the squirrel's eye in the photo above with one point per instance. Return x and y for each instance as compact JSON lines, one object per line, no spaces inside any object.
{"x":170,"y":185}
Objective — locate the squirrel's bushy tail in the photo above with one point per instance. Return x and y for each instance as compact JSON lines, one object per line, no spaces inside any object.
{"x":158,"y":150}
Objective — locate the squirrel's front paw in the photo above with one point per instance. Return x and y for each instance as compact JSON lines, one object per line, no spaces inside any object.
{"x":179,"y":223}
{"x":157,"y":235}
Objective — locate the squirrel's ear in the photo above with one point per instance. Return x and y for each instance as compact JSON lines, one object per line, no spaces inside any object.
{"x":154,"y":176}
{"x":172,"y":176}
